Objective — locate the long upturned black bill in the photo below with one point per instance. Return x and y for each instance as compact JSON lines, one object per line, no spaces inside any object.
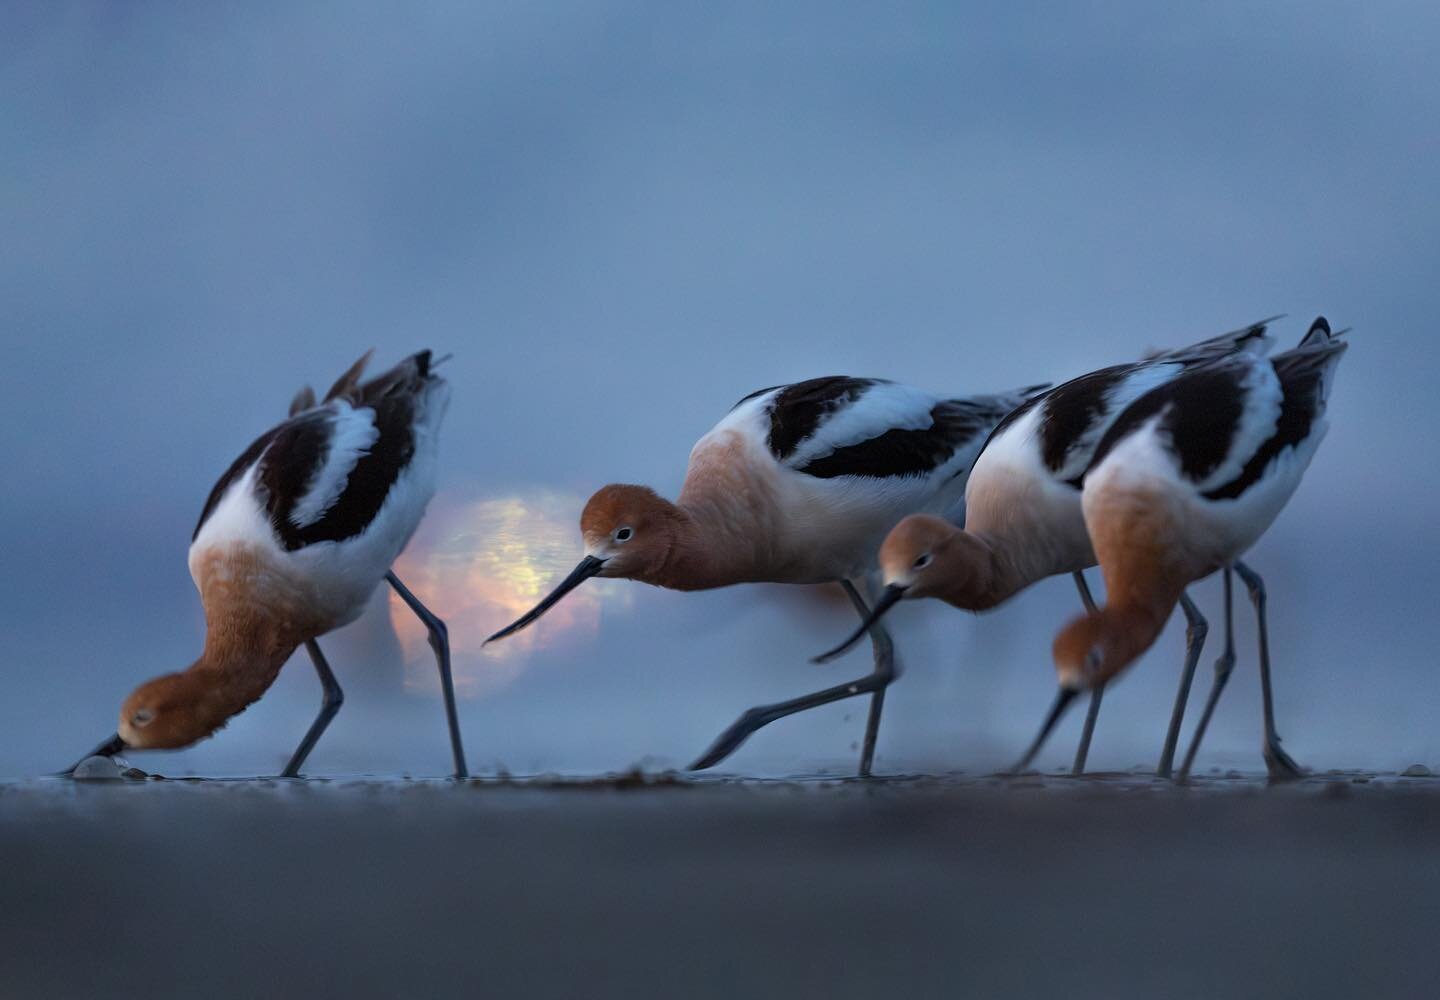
{"x":889,"y":597}
{"x":1062,"y":701}
{"x":109,"y":748}
{"x":589,"y":566}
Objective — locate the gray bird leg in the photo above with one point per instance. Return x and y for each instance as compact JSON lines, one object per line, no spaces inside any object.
{"x":1083,"y":750}
{"x":329,"y":705}
{"x":1196,"y":628}
{"x":1278,"y":763}
{"x":1223,"y":668}
{"x":440,"y":643}
{"x":873,"y":684}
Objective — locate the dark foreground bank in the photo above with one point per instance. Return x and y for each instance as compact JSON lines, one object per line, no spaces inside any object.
{"x":1107,"y":887}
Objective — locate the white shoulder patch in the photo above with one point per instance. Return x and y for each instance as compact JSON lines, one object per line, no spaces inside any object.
{"x":745,"y":419}
{"x":882,"y":407}
{"x":1014,"y":446}
{"x":238,"y":517}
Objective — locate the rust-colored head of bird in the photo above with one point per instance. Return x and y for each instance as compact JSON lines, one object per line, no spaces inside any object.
{"x":169,"y":712}
{"x":930,"y":557}
{"x":629,"y":531}
{"x":1096,"y":646}
{"x":632,"y":528}
{"x":1079,"y":651}
{"x":915,"y":555}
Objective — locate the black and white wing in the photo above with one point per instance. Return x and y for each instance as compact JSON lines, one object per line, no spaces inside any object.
{"x":841,"y":426}
{"x":1304,"y":375}
{"x":1225,"y":424}
{"x":1068,"y":422}
{"x":324,"y":474}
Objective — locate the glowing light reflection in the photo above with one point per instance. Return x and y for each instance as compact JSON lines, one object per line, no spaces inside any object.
{"x":480,"y":563}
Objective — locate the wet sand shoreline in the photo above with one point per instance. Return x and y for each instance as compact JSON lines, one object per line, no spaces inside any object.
{"x":1116,"y":885}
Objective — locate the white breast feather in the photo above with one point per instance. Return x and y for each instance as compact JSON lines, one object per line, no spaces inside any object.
{"x":1141,"y":460}
{"x":1014,"y":448}
{"x":745,"y":420}
{"x":237,"y":518}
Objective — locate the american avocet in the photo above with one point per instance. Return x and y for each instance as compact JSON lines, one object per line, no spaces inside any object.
{"x":1023,"y":520}
{"x":1189,"y":477}
{"x":292,"y":541}
{"x":797,"y":484}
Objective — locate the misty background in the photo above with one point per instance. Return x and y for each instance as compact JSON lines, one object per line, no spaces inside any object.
{"x":621,"y":218}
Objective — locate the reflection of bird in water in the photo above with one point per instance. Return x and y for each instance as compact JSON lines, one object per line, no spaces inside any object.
{"x":797,"y":484}
{"x":1189,"y":477}
{"x":1023,"y":520}
{"x":293,"y":541}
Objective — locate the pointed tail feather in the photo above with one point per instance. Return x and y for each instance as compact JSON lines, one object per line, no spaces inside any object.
{"x":347,"y":386}
{"x":1316,"y":357}
{"x":410,"y":375}
{"x":1320,"y":333}
{"x":1252,"y":339}
{"x":304,"y":400}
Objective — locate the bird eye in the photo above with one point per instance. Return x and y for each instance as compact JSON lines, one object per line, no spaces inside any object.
{"x":142,"y":718}
{"x":923,"y":561}
{"x":623,"y":535}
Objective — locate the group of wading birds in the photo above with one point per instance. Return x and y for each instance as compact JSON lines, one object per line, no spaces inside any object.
{"x":1161,"y":471}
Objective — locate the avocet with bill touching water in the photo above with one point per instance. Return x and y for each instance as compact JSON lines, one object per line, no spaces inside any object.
{"x":293,"y":540}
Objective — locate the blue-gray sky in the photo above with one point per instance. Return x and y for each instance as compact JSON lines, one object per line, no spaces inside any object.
{"x":620,"y":218}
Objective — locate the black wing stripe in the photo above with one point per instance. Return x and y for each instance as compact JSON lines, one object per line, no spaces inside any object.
{"x":289,"y":468}
{"x":1073,"y":409}
{"x":1202,"y":410}
{"x":799,"y":409}
{"x":293,"y":453}
{"x":899,"y":452}
{"x":392,"y":397}
{"x":1302,"y":376}
{"x":366,"y":488}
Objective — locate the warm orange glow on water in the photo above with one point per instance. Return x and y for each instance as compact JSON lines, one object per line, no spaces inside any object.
{"x":481,"y":563}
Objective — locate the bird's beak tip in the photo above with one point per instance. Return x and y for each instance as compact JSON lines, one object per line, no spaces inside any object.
{"x":109,"y":748}
{"x":589,"y":566}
